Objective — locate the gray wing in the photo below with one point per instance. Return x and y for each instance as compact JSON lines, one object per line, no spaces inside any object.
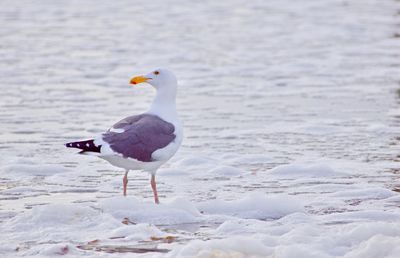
{"x":141,"y":136}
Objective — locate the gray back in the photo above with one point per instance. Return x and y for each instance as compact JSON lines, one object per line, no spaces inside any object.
{"x":143,"y":134}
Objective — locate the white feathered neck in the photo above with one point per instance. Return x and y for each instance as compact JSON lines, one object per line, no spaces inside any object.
{"x":164,"y":104}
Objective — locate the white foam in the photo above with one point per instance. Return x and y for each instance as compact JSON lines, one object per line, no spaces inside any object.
{"x":226,"y":171}
{"x":253,"y":206}
{"x":304,"y":170}
{"x":229,"y":247}
{"x":377,"y":246}
{"x":366,"y":192}
{"x":367,"y":215}
{"x":173,"y":212}
{"x":139,"y":232}
{"x":195,"y":161}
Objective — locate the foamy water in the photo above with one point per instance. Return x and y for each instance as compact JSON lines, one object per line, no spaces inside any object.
{"x":291,"y":113}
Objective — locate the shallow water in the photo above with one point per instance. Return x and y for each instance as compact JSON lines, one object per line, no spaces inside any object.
{"x":262,"y":84}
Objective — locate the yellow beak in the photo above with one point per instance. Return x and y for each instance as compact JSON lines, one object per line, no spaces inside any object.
{"x":138,"y":79}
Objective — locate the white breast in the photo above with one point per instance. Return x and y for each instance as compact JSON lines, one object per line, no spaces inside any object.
{"x":168,"y":151}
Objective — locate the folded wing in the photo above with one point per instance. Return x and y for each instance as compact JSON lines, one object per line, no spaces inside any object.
{"x":139,"y":136}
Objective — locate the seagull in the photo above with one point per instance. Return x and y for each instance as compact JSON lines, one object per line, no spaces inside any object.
{"x":145,"y":141}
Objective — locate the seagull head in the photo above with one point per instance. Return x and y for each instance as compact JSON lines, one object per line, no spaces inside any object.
{"x":159,"y":78}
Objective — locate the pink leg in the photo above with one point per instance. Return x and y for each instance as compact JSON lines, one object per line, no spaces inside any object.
{"x":125,"y":181}
{"x":154,"y":187}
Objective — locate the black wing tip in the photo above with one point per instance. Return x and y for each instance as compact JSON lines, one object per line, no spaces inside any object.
{"x":85,"y":146}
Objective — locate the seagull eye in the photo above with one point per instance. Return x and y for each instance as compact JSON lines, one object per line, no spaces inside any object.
{"x":156,"y":72}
